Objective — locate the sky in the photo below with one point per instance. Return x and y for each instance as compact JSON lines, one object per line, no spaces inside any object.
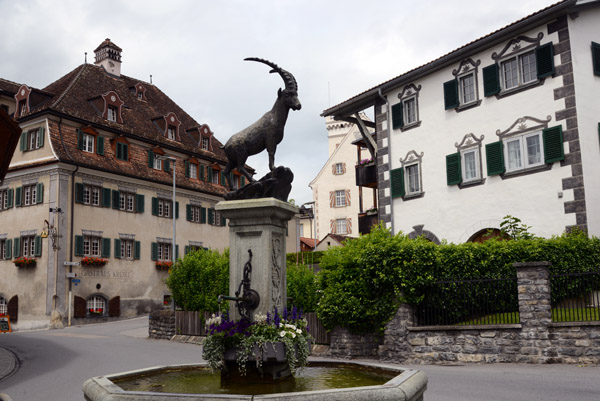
{"x":195,"y":52}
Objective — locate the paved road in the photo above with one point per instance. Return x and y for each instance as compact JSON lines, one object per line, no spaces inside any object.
{"x":54,"y":364}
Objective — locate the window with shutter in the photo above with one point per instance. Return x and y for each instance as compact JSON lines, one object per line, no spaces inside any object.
{"x":491,"y":80}
{"x":453,"y":172}
{"x":397,"y":116}
{"x":544,"y":56}
{"x":397,"y":182}
{"x":494,"y":155}
{"x":450,"y":94}
{"x":553,"y":144}
{"x":100,"y":145}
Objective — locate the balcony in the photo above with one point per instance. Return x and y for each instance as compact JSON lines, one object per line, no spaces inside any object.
{"x":366,"y":221}
{"x":366,"y":175}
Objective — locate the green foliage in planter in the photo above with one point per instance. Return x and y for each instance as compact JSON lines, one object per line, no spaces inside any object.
{"x":198,"y":279}
{"x":302,"y":288}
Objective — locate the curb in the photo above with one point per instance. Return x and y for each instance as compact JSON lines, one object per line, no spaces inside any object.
{"x":9,"y":364}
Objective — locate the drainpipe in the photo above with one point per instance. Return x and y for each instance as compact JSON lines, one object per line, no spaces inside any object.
{"x":72,"y":224}
{"x":388,"y":116}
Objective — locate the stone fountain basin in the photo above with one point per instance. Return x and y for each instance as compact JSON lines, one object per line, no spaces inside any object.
{"x":408,"y":385}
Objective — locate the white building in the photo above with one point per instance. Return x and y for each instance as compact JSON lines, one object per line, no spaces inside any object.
{"x":338,"y":201}
{"x":505,"y":125}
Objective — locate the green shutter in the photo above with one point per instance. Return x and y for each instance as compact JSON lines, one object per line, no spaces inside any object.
{"x":167,"y":166}
{"x":23,"y":144}
{"x":224,"y":222}
{"x":203,"y":215}
{"x":139,"y":203}
{"x":176,"y":210}
{"x":544,"y":57}
{"x":491,"y":80}
{"x":106,"y":247}
{"x":397,"y":182}
{"x":210,"y":216}
{"x":154,"y":251}
{"x":397,"y":116}
{"x":186,"y":165}
{"x":117,"y":248}
{"x":494,"y":155}
{"x":10,"y":198}
{"x":18,"y":194}
{"x":9,"y":249}
{"x":79,"y":139}
{"x":100,"y":145}
{"x":79,"y":245}
{"x":37,"y":246}
{"x":243,"y":181}
{"x":17,"y":247}
{"x":223,"y":179}
{"x":553,"y":144}
{"x":451,"y":94}
{"x":39,"y":193}
{"x":154,"y":206}
{"x":79,"y":193}
{"x":40,"y":137}
{"x":596,"y":57}
{"x":136,"y":250}
{"x":176,"y":251}
{"x":201,"y":172}
{"x":188,"y":212}
{"x":150,"y":159}
{"x":453,"y":170}
{"x":186,"y":250}
{"x":105,"y":197}
{"x":115,"y":199}
{"x":210,"y":174}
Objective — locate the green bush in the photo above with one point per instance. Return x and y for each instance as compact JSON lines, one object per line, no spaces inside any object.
{"x":306,"y":258}
{"x":302,"y":288}
{"x":364,"y":281}
{"x":197,"y":280}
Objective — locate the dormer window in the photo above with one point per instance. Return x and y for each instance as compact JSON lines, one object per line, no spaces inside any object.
{"x":22,"y":101}
{"x":22,"y":107}
{"x":112,"y":113}
{"x":112,"y":107}
{"x":140,"y":91}
{"x":205,"y":142}
{"x":171,"y":130}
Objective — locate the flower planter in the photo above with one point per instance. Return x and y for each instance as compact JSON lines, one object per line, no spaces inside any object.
{"x":93,"y":262}
{"x":23,"y":262}
{"x":163,"y":265}
{"x":271,"y":352}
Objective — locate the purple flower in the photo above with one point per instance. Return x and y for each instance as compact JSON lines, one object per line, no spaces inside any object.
{"x":276,"y":318}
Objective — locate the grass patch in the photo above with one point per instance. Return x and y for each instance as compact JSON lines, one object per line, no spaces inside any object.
{"x":575,"y":314}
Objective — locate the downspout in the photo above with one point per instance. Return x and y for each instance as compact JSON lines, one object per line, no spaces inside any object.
{"x":72,"y":223}
{"x":389,"y":153}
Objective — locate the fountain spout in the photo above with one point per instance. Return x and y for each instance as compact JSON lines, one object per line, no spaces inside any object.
{"x":250,"y":298}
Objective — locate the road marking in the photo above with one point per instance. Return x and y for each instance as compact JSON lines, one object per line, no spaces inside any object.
{"x":90,"y":336}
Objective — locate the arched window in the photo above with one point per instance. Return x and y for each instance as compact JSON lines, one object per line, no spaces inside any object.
{"x":96,"y":306}
{"x":486,"y":234}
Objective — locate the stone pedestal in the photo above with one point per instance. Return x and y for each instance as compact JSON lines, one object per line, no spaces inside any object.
{"x":258,"y":225}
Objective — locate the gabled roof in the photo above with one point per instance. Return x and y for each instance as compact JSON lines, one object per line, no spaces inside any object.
{"x":368,"y":98}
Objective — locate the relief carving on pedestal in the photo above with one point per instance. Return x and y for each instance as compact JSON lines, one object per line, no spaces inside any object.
{"x":276,"y":274}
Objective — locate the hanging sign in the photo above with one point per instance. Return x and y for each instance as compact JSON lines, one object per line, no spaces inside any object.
{"x":5,"y":324}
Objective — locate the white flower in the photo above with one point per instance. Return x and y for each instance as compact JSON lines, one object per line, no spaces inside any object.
{"x":293,"y":335}
{"x":260,"y":318}
{"x":299,"y":331}
{"x":281,"y":333}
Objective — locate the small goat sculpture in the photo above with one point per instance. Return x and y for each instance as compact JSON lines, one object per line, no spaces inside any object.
{"x":267,"y":132}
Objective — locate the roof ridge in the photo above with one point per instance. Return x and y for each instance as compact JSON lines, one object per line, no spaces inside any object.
{"x":68,"y":88}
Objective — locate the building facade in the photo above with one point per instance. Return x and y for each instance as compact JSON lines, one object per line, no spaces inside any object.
{"x":91,"y":182}
{"x":506,"y":125}
{"x":338,"y":201}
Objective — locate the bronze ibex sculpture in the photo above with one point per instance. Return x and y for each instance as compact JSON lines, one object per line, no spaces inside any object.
{"x":267,"y":132}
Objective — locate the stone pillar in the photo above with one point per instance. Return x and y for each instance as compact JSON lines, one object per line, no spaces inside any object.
{"x":533,"y":281}
{"x":258,"y":225}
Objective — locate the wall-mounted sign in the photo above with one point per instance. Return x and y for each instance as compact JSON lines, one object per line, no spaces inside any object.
{"x":5,"y":324}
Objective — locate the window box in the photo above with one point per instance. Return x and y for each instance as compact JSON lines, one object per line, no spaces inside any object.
{"x":163,"y":265}
{"x":24,"y":261}
{"x":93,"y":262}
{"x":366,"y":175}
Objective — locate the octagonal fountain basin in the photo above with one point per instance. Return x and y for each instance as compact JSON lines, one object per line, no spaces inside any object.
{"x":321,"y":380}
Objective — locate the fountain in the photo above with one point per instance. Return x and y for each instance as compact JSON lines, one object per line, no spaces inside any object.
{"x":258,"y":214}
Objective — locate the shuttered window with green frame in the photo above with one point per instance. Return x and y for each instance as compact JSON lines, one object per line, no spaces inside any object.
{"x":553,"y":144}
{"x":494,"y":154}
{"x":453,"y":169}
{"x":491,"y":80}
{"x":451,"y":94}
{"x":544,"y":57}
{"x":397,"y":116}
{"x":397,"y":183}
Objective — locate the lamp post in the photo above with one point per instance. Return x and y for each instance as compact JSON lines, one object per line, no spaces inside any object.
{"x":173,"y":246}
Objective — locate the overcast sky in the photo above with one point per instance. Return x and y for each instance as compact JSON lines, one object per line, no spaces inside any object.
{"x":195,"y":49}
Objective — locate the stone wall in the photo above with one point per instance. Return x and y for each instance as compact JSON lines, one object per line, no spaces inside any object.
{"x":161,"y":324}
{"x":534,"y":340}
{"x":347,"y":345}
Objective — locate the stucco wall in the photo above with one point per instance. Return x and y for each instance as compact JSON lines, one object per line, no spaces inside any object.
{"x":453,"y":213}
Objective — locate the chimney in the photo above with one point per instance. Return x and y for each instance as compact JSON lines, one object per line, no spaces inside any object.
{"x":108,"y":55}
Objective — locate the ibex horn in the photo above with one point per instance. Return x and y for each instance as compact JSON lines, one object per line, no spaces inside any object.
{"x":288,"y":78}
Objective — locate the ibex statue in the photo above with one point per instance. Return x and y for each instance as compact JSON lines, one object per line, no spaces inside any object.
{"x":267,"y":132}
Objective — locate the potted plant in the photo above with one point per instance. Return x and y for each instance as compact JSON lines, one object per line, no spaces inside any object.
{"x":163,"y":264}
{"x":92,"y":261}
{"x":365,"y":162}
{"x":273,"y":336}
{"x":372,"y":211}
{"x":24,"y":261}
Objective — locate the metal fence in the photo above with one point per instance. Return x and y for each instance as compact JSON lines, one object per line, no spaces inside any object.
{"x":575,"y":297}
{"x":469,"y":302}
